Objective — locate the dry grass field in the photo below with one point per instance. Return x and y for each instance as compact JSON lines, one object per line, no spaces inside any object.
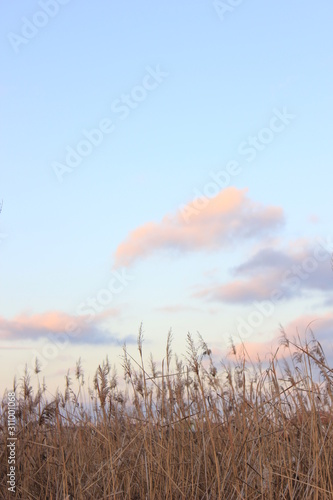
{"x":188,"y":430}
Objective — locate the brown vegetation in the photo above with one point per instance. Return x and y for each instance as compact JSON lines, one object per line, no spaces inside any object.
{"x":187,"y":431}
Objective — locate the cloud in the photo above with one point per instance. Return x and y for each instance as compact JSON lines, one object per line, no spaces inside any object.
{"x":230,"y":216}
{"x":320,"y":324}
{"x":292,"y":272}
{"x":260,"y":350}
{"x":243,"y":291}
{"x":265,"y":258}
{"x":78,"y":329}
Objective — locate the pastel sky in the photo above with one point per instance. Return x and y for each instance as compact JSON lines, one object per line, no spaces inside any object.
{"x":168,"y":163}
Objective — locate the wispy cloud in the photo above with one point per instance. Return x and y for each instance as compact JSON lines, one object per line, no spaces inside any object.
{"x":321,"y":325}
{"x":243,"y":291}
{"x":41,"y":326}
{"x":291,"y":272}
{"x":230,"y":216}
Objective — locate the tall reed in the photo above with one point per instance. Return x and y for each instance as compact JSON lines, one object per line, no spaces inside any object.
{"x":180,"y":429}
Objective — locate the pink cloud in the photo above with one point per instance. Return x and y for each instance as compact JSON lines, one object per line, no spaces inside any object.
{"x":300,"y":268}
{"x":307,"y":326}
{"x":229,"y":216}
{"x":78,"y":329}
{"x":262,"y":350}
{"x":320,"y":324}
{"x":236,"y":291}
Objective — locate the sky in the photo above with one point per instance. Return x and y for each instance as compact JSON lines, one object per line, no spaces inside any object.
{"x":163,"y":163}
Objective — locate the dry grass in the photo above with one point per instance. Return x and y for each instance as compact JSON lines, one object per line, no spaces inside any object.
{"x":186,"y":431}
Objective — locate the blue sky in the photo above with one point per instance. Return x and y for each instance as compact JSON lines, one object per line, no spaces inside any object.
{"x":199,"y":83}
